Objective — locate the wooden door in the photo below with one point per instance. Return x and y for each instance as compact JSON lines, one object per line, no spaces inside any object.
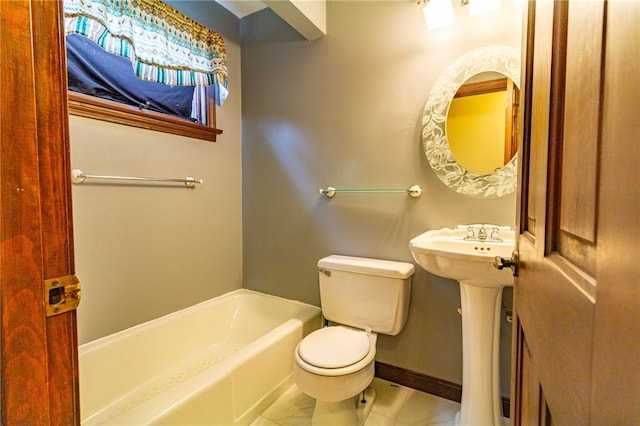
{"x":38,"y":354}
{"x":577,"y":299}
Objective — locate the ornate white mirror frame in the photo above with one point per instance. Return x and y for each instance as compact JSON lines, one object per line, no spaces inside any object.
{"x":501,"y":59}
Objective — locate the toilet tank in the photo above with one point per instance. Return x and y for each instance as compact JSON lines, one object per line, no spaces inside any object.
{"x":362,"y":292}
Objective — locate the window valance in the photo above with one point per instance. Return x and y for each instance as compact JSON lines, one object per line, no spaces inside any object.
{"x":162,"y":44}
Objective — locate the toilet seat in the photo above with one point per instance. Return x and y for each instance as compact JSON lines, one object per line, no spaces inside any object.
{"x":334,"y":347}
{"x":335,"y":351}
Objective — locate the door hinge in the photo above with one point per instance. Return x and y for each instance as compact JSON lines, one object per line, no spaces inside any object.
{"x":61,"y":294}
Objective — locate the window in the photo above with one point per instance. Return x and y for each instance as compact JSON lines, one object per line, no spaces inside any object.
{"x":153,"y":45}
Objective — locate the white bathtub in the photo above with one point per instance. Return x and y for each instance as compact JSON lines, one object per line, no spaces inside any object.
{"x":220,"y":362}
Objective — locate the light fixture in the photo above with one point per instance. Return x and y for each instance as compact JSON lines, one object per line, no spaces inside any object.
{"x":478,"y":7}
{"x":437,"y":13}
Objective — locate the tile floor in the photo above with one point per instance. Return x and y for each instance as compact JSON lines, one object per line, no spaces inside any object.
{"x":394,"y":405}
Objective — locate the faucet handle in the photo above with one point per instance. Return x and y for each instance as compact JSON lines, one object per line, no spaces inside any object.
{"x":470,"y":232}
{"x":495,"y":233}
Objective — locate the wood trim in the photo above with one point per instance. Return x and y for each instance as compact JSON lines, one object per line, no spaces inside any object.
{"x":524,"y":122}
{"x":39,"y":370}
{"x":556,"y":126}
{"x":23,"y":352}
{"x":101,"y":109}
{"x":482,"y":87}
{"x":211,"y":108}
{"x":615,"y":372}
{"x":56,"y":209}
{"x":419,"y":381}
{"x":511,"y":122}
{"x":428,"y":384}
{"x":518,"y":373}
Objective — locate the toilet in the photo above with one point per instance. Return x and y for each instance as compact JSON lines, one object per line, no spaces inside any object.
{"x":335,"y":364}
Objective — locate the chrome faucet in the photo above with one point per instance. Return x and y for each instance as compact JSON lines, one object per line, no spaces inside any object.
{"x":482,"y":233}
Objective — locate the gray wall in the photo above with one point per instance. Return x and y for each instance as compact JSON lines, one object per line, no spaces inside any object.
{"x":345,"y":111}
{"x":142,"y":252}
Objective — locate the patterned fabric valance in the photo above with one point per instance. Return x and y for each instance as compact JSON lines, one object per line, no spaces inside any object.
{"x":162,"y":44}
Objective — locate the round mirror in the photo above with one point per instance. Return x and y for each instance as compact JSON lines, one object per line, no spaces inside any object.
{"x":474,"y":153}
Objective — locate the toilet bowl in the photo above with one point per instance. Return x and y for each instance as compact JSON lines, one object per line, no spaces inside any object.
{"x":335,"y":364}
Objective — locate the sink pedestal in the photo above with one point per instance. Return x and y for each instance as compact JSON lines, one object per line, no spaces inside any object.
{"x":481,"y":309}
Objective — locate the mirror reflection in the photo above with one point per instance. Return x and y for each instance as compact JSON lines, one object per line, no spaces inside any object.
{"x":481,"y":122}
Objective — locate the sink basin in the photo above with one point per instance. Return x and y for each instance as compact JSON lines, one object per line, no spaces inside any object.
{"x":445,"y":252}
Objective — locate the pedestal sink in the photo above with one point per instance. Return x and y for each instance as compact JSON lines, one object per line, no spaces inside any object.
{"x":466,"y":254}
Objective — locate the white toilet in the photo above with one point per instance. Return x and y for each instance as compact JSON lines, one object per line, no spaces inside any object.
{"x":335,"y":364}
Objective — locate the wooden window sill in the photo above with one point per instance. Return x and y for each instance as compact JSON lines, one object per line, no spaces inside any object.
{"x":101,"y":109}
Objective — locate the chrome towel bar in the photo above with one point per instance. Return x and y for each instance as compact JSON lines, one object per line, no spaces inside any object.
{"x":414,"y":191}
{"x":78,"y":177}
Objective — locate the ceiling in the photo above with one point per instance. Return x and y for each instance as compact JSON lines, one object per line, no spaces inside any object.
{"x":242,"y":8}
{"x":310,"y":22}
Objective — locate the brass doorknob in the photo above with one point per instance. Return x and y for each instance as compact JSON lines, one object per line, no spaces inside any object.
{"x":503,"y":262}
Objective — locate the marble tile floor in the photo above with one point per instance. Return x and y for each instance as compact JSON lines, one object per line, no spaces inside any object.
{"x":394,"y":405}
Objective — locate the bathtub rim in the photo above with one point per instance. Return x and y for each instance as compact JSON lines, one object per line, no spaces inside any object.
{"x":100,"y":341}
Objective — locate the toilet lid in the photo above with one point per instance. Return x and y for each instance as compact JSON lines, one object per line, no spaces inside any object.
{"x":334,"y":347}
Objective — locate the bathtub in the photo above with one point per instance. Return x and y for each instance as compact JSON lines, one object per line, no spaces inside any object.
{"x":220,"y":362}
